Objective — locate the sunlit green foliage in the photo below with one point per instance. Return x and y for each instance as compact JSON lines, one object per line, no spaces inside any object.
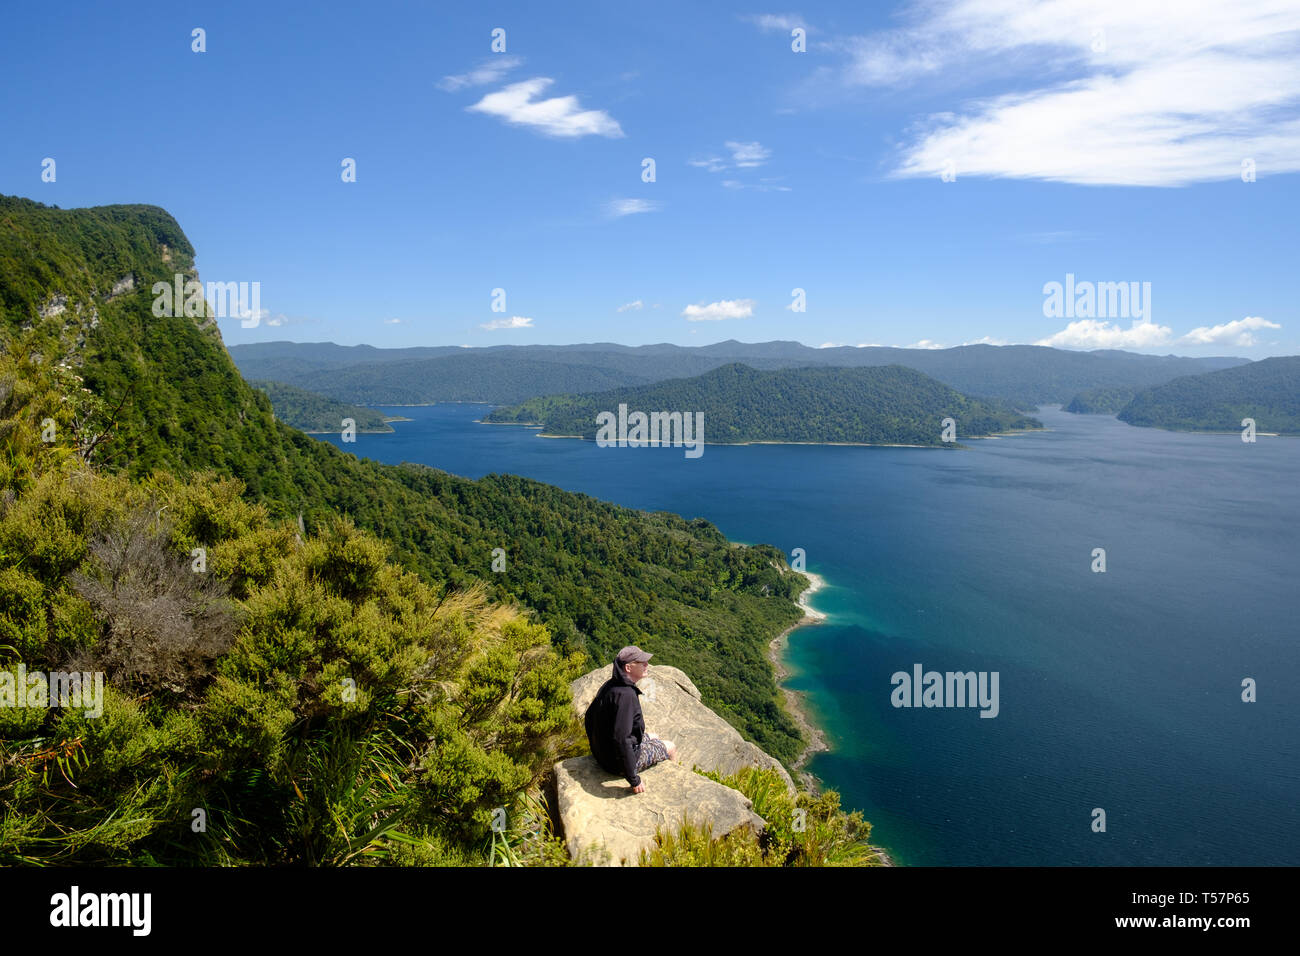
{"x":802,"y":830}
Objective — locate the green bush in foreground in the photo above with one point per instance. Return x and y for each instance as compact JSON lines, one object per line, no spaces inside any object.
{"x":806,"y":830}
{"x":268,"y":697}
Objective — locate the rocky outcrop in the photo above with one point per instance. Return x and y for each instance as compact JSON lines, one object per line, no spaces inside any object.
{"x":122,"y":286}
{"x":604,"y":822}
{"x":674,"y":710}
{"x":57,"y":305}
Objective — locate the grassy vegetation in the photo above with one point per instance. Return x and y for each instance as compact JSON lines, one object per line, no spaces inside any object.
{"x":802,"y":830}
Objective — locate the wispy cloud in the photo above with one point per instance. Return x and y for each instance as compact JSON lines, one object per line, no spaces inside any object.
{"x":1238,"y":332}
{"x":392,"y":321}
{"x":743,"y":156}
{"x":763,"y":185}
{"x":630,"y":207}
{"x":559,"y":116}
{"x":637,"y":305}
{"x":776,"y":22}
{"x":265,"y":317}
{"x":988,"y":340}
{"x":924,"y":344}
{"x":1100,"y":334}
{"x":724,"y":309}
{"x":489,"y":71}
{"x":1097,"y":91}
{"x":514,"y":322}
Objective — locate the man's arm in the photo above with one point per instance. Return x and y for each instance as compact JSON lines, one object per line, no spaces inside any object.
{"x":623,"y":723}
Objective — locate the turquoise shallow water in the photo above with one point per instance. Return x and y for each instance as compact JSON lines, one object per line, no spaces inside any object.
{"x":1119,"y":691}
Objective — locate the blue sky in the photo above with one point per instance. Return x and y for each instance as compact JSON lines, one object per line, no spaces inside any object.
{"x":921,"y":170}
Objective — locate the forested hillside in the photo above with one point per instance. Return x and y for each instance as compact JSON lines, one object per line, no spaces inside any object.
{"x":1101,"y":401}
{"x":310,"y":412}
{"x":1267,"y":391}
{"x":885,"y":405}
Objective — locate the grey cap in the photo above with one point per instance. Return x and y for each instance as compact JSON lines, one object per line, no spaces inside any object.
{"x":631,"y":654}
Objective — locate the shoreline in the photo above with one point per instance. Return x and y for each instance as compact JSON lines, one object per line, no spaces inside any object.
{"x":794,"y":700}
{"x":741,"y":444}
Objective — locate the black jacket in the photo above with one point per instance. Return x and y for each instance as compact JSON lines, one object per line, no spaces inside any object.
{"x":615,"y":726}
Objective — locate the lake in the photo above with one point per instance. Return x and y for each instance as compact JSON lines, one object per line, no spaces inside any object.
{"x":1118,"y":690}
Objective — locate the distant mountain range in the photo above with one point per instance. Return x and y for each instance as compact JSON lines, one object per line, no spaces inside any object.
{"x":1026,"y":375}
{"x":879,"y":405}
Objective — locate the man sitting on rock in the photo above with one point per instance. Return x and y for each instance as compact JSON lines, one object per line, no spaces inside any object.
{"x":615,"y":727}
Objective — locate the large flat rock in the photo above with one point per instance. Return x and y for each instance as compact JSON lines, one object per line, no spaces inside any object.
{"x":673,"y":709}
{"x":607,"y":824}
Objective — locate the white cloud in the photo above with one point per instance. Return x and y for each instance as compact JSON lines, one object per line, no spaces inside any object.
{"x":558,"y":116}
{"x":764,"y":186}
{"x":713,"y":164}
{"x":987,"y":340}
{"x":724,"y":309}
{"x":1100,"y":334}
{"x":514,"y":322}
{"x":1104,"y":92}
{"x":628,"y":207}
{"x":743,"y":156}
{"x":1229,"y":333}
{"x":638,"y":304}
{"x":392,"y":321}
{"x":776,"y":22}
{"x":265,"y":317}
{"x":924,"y":344}
{"x":489,"y":71}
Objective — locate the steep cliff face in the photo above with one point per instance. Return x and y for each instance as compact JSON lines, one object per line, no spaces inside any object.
{"x":604,"y":822}
{"x":77,"y":285}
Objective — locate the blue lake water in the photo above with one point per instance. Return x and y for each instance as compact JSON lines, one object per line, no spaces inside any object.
{"x":1118,"y":690}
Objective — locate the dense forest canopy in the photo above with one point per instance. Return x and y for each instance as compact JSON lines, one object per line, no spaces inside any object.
{"x":1101,"y":401}
{"x":1267,"y":391}
{"x":310,"y":412}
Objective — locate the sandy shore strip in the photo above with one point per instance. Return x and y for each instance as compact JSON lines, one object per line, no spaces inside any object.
{"x":794,"y":703}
